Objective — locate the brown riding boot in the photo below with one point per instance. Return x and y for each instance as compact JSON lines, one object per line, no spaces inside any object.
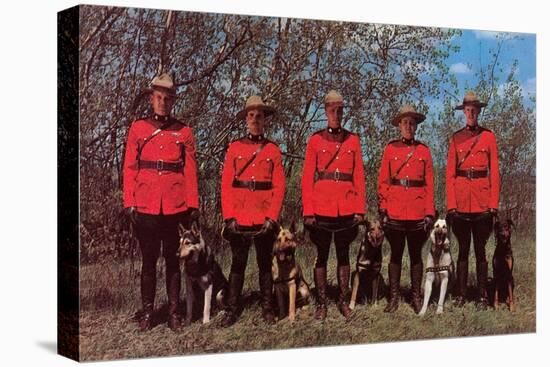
{"x":146,"y":323}
{"x":462,"y":283}
{"x":416,"y":280}
{"x":173,"y":287}
{"x":235,"y":288}
{"x":148,"y":287}
{"x":481,"y":270}
{"x":343,"y":287}
{"x":394,"y":275}
{"x":320,"y":279}
{"x":266,"y":293}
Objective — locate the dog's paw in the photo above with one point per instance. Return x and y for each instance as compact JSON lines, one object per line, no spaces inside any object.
{"x":439,"y":310}
{"x":422,"y":312}
{"x":205,"y":320}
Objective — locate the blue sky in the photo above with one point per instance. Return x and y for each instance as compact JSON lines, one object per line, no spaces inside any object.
{"x":475,"y":49}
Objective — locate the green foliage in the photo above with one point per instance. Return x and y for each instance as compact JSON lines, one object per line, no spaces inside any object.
{"x":218,"y":60}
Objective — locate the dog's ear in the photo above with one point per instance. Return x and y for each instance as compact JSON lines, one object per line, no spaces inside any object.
{"x":195,"y":228}
{"x":511,"y":223}
{"x":292,"y":228}
{"x":181,"y":229}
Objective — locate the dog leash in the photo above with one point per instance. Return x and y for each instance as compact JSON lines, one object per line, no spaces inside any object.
{"x":317,"y":226}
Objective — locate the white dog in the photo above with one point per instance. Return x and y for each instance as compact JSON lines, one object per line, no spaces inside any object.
{"x":439,"y":265}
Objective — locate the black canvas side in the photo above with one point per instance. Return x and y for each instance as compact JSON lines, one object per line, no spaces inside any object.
{"x":67,"y":184}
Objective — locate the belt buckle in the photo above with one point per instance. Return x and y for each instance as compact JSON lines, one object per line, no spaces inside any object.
{"x":337,"y":175}
{"x":252,"y":185}
{"x":160,"y":165}
{"x":470,"y":174}
{"x":405,"y":182}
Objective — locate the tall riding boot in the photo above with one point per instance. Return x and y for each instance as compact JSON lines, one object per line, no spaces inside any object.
{"x":462,"y":280}
{"x":148,"y":287}
{"x":416,"y":280}
{"x":266,"y":292}
{"x":235,"y":288}
{"x":394,"y":274}
{"x":481,"y":270}
{"x":320,"y":279}
{"x":173,"y":287}
{"x":343,"y":287}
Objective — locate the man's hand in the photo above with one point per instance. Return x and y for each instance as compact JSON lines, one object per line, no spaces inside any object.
{"x":309,"y":221}
{"x":229,"y":228}
{"x":194,"y":214}
{"x":270,"y":226}
{"x":131,"y":213}
{"x":383,"y":217}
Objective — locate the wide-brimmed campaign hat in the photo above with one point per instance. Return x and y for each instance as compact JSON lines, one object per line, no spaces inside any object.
{"x":253,"y":103}
{"x":163,"y":83}
{"x":334,"y":97}
{"x":408,"y":111}
{"x":472,"y":99}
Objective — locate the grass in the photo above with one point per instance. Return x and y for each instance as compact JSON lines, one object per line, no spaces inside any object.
{"x":110,"y":298}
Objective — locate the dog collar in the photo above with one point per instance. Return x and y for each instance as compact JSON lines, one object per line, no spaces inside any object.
{"x":334,"y":130}
{"x":161,"y":118}
{"x":256,"y":137}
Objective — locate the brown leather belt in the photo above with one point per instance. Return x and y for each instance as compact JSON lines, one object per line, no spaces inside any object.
{"x":253,"y":185}
{"x":407,"y":183}
{"x":335,"y":176}
{"x":160,"y":165}
{"x":471,"y":174}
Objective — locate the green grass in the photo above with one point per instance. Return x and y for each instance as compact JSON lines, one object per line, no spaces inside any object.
{"x":110,"y":298}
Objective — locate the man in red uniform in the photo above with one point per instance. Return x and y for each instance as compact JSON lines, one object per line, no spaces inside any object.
{"x":160,"y":191}
{"x":253,"y":188}
{"x":333,"y":195}
{"x":406,"y":202}
{"x":473,"y":186}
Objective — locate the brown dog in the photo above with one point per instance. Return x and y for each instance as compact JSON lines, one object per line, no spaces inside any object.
{"x":369,"y":263}
{"x":503,"y":264}
{"x":288,"y":279}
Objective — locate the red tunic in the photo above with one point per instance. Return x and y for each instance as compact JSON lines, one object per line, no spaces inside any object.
{"x":473,"y":195}
{"x":402,"y":202}
{"x":247,"y":205}
{"x":330,"y":197}
{"x":154,"y":191}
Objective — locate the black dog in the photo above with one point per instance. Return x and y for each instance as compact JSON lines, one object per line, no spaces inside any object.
{"x":503,"y":265}
{"x":369,"y":264}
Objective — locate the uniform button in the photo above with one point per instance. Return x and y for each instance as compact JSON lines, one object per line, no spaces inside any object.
{"x":407,"y":164}
{"x":177,"y":141}
{"x":337,"y":146}
{"x":324,"y":150}
{"x":253,"y":177}
{"x":161,"y":134}
{"x":160,"y":173}
{"x":240,"y":157}
{"x":253,"y":164}
{"x":337,"y":157}
{"x":161,"y":147}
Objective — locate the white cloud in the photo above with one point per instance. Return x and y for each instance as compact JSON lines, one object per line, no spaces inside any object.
{"x":492,"y":35}
{"x":460,"y":68}
{"x":486,"y":34}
